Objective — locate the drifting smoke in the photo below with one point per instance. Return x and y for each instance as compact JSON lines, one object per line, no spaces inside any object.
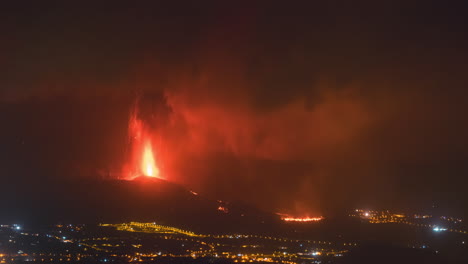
{"x":206,"y":138}
{"x":291,"y":113}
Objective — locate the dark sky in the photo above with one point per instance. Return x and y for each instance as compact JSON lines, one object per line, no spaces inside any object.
{"x":290,"y":106}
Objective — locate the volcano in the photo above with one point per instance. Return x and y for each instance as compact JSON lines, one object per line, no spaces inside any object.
{"x":145,"y":199}
{"x":142,"y":193}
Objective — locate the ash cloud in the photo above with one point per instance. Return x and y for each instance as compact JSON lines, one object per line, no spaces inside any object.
{"x":304,"y":110}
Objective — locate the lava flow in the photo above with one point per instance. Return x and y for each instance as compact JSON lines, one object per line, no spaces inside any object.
{"x":142,"y":161}
{"x":288,"y":218}
{"x":302,"y":219}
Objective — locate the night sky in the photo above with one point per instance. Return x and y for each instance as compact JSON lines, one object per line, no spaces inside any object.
{"x":292,"y":107}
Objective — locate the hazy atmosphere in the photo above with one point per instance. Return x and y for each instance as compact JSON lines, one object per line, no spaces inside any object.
{"x":299,"y":108}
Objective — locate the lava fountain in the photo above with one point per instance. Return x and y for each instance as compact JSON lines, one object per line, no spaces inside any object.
{"x":148,"y":165}
{"x":142,"y":155}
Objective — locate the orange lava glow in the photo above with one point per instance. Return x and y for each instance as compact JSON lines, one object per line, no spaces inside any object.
{"x":148,"y":165}
{"x":304,"y":219}
{"x":289,"y":218}
{"x":143,"y":159}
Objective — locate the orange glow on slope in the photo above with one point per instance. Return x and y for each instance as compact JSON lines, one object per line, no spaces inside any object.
{"x":288,"y":218}
{"x":303,"y":219}
{"x":142,"y":154}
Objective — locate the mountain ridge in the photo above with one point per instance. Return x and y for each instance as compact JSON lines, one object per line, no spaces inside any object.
{"x":143,"y":199}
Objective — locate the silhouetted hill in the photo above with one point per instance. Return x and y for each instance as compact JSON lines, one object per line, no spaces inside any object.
{"x":143,"y":199}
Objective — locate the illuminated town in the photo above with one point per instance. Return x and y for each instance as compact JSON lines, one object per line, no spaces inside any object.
{"x":157,"y":243}
{"x":443,"y":223}
{"x":147,"y":242}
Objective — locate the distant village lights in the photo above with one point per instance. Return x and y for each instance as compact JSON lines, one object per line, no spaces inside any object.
{"x":439,"y":229}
